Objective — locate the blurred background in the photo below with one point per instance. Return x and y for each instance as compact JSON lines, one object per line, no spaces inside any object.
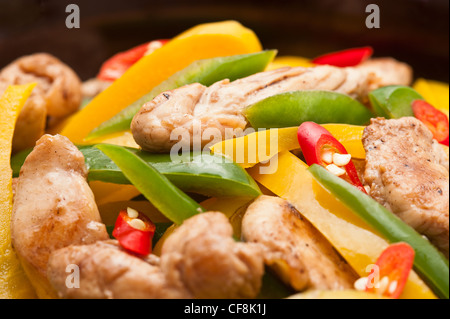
{"x":414,"y":31}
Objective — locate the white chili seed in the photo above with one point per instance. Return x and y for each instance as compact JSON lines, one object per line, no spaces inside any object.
{"x":341,"y":159}
{"x":132,"y":213}
{"x":332,"y":168}
{"x":384,"y":283}
{"x":361,"y":284}
{"x":392,"y":287}
{"x":137,"y":223}
{"x":327,"y":157}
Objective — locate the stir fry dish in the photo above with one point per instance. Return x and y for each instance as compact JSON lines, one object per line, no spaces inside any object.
{"x":207,"y":166}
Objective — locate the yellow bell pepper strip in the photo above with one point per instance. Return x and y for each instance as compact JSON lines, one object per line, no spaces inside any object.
{"x":211,"y":40}
{"x":261,"y":146}
{"x":248,"y":37}
{"x":357,"y":242}
{"x":108,"y":192}
{"x":289,"y":61}
{"x":394,"y":101}
{"x":429,"y":262}
{"x":13,"y":281}
{"x":205,"y":72}
{"x":158,"y":246}
{"x":257,"y":147}
{"x":350,"y":136}
{"x":165,"y":196}
{"x":124,"y":138}
{"x":434,"y":92}
{"x":294,"y":108}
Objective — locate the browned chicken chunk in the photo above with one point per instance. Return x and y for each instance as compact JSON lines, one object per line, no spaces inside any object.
{"x":53,"y":204}
{"x":203,"y":255}
{"x":404,"y":172}
{"x":56,"y":95}
{"x":220,"y":106}
{"x":293,"y":247}
{"x":30,"y":125}
{"x":387,"y":71}
{"x":108,"y":272}
{"x":199,"y":260}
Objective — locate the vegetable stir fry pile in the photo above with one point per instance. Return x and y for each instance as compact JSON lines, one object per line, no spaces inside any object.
{"x":205,"y":166}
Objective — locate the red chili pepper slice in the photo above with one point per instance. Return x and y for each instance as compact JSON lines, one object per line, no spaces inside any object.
{"x":314,"y":140}
{"x":434,"y":119}
{"x":114,"y":67}
{"x":395,"y":263}
{"x":138,"y":241}
{"x":345,"y":58}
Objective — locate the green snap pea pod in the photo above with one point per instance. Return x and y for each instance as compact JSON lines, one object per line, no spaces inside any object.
{"x":393,"y":101}
{"x":294,"y":108}
{"x":429,"y":263}
{"x":204,"y":174}
{"x":166,"y":197}
{"x":206,"y":72}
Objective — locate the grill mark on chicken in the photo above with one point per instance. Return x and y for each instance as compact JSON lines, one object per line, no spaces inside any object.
{"x":220,"y":106}
{"x":293,"y":247}
{"x":405,"y":174}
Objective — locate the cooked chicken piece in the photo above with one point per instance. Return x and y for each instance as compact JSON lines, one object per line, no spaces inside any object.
{"x":56,"y":95}
{"x":203,"y":255}
{"x":31,"y":122}
{"x":404,"y":173}
{"x":293,"y":247}
{"x":220,"y":106}
{"x":387,"y":71}
{"x":53,"y":204}
{"x":106,"y":271}
{"x":30,"y":125}
{"x":56,"y":82}
{"x":174,"y":116}
{"x":199,"y":260}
